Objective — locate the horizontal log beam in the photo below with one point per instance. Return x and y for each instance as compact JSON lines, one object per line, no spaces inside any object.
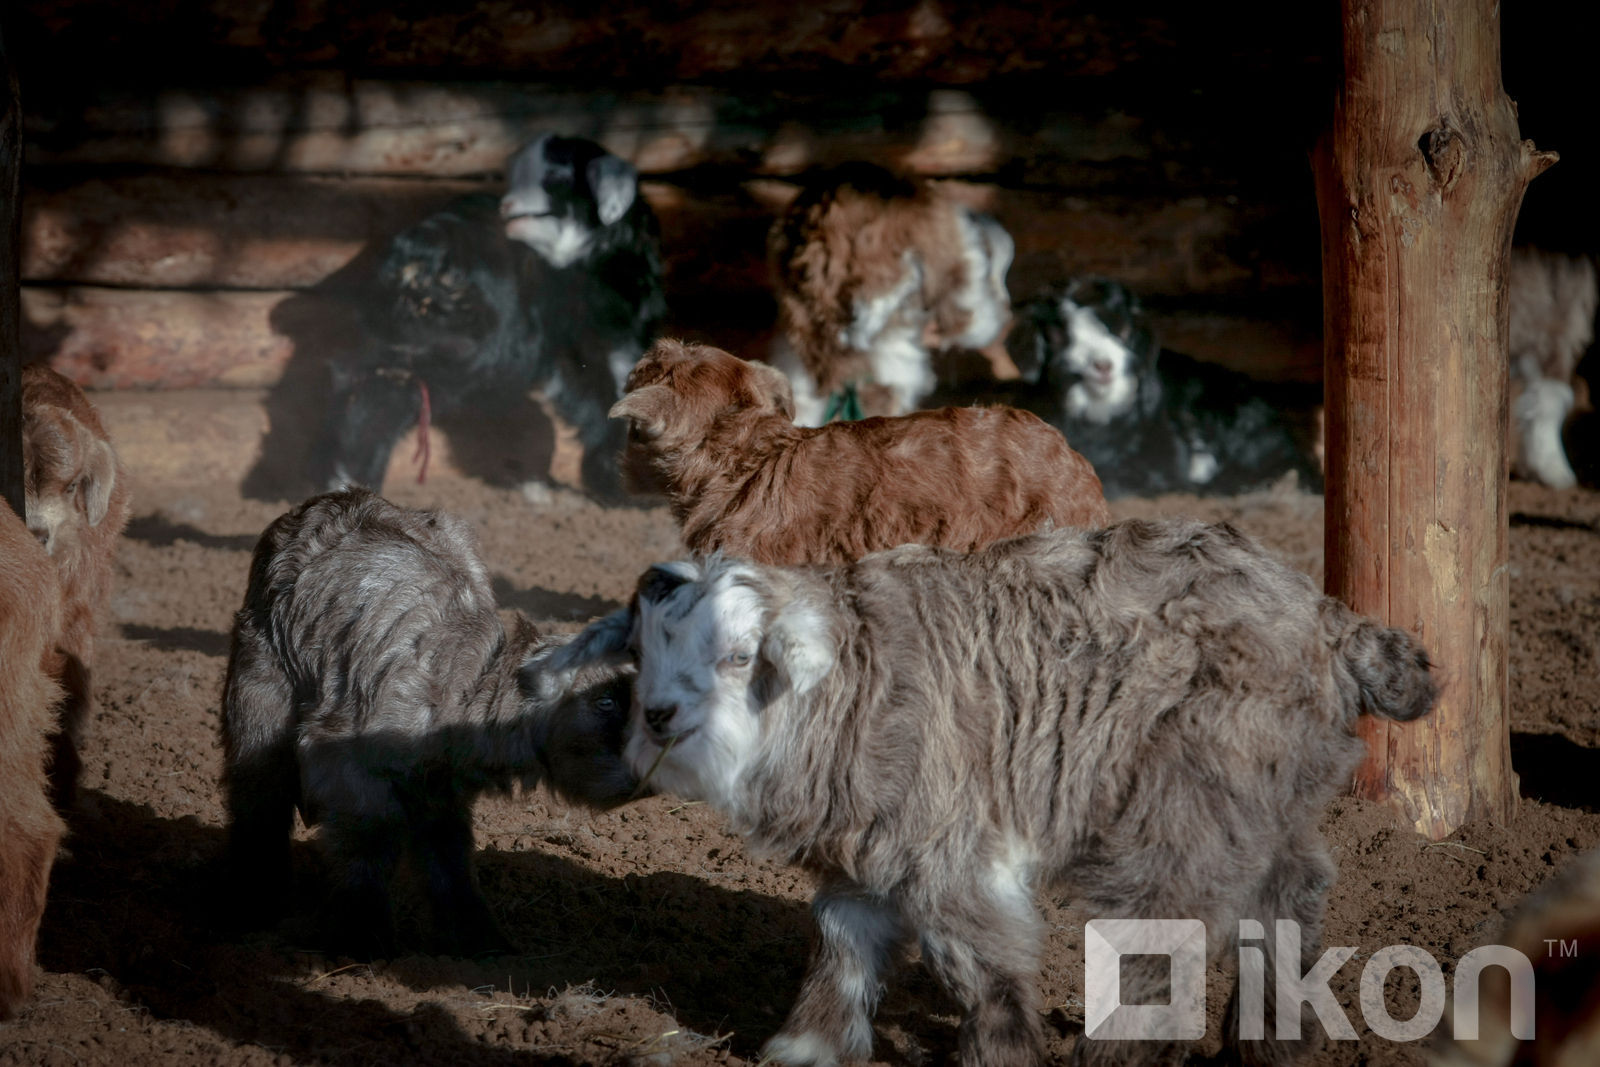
{"x":264,"y":231}
{"x":952,"y":42}
{"x":130,"y":338}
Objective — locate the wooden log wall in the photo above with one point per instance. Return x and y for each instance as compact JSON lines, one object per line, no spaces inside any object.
{"x":193,"y":165}
{"x":11,"y":479}
{"x":204,"y":164}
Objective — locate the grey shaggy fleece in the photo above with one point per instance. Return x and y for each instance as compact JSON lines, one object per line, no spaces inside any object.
{"x":372,"y":685}
{"x":1152,"y":715}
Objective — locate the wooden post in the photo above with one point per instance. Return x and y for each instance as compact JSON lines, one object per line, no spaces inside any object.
{"x":1418,"y":186}
{"x":10,"y":266}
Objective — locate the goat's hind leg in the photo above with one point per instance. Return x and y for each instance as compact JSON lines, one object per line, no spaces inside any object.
{"x":1295,"y":888}
{"x":984,"y":948}
{"x":831,"y":1020}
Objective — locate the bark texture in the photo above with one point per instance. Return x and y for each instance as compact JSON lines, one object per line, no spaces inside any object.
{"x":1418,"y":185}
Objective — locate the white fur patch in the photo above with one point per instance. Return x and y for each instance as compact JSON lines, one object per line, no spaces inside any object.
{"x":810,"y":1049}
{"x":1109,"y":382}
{"x":1541,"y":411}
{"x":900,"y":363}
{"x":987,"y":251}
{"x":1011,"y":876}
{"x":621,"y":361}
{"x":809,"y":405}
{"x":46,"y":517}
{"x":871,"y":316}
{"x":1203,"y":467}
{"x":561,"y":242}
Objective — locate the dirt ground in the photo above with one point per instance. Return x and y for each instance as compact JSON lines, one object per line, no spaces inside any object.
{"x":648,"y":934}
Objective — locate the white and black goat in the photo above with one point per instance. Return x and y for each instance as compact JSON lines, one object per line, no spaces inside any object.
{"x":1553,"y":299}
{"x":1153,"y":714}
{"x":372,"y":685}
{"x":1150,"y":420}
{"x":554,"y":286}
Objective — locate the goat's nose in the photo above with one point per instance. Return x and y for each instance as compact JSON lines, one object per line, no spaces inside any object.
{"x":41,"y":535}
{"x":1103,"y":366}
{"x":660,"y":717}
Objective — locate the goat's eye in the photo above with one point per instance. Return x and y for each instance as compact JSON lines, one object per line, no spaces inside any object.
{"x":738,"y":659}
{"x":72,"y":487}
{"x":606,"y":704}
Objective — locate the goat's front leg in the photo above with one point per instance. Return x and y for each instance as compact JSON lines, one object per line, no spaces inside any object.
{"x":832,"y":1019}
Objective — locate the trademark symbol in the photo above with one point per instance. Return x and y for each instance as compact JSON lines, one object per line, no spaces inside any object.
{"x":1554,"y":946}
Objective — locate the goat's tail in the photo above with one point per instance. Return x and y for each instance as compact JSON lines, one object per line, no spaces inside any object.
{"x":1380,"y":670}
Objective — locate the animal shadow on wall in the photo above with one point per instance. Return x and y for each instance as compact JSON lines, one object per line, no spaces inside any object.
{"x":458,"y":319}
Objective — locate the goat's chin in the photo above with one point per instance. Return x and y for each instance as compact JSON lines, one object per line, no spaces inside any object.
{"x":705,"y":765}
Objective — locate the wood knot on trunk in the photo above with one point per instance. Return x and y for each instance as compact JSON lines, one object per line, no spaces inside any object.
{"x":1445,"y":152}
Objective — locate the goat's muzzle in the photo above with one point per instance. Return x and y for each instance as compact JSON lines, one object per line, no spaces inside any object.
{"x":659,"y":719}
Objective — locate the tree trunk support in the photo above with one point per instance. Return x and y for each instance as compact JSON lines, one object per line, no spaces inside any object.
{"x":1418,"y":186}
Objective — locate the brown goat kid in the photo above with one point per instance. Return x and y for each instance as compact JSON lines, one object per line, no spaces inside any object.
{"x":372,"y":685}
{"x":77,"y":506}
{"x":716,"y":434}
{"x":30,"y":604}
{"x":873,"y":272}
{"x":1153,"y":715}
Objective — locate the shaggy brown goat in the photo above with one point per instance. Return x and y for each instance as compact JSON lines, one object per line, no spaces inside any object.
{"x":1553,"y":299}
{"x":872,"y":271}
{"x":30,"y":606}
{"x":1152,"y":714}
{"x":372,"y":685}
{"x":714,"y":433}
{"x":77,"y":505}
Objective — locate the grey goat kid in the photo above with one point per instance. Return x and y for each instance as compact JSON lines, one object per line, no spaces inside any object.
{"x":1152,"y":715}
{"x":372,"y":684}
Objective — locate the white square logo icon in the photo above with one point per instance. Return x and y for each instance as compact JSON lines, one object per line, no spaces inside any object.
{"x":1106,"y":942}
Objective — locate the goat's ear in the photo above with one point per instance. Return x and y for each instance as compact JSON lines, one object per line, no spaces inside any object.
{"x":799,"y":643}
{"x":615,"y":184}
{"x":549,"y":672}
{"x":99,"y":476}
{"x":772,"y":386}
{"x":649,"y":406}
{"x":657,"y":582}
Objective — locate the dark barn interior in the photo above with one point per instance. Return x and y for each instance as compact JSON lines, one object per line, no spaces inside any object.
{"x":205,"y":182}
{"x":197,"y":174}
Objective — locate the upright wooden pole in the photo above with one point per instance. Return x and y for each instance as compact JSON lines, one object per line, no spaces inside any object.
{"x":10,"y":269}
{"x":1418,"y":186}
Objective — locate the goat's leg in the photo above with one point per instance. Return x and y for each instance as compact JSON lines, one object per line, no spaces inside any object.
{"x":984,"y":946}
{"x":462,"y":921}
{"x":364,"y":844}
{"x":832,"y":1019}
{"x":1295,"y":888}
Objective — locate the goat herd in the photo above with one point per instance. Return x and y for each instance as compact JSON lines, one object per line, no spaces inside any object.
{"x":911,"y":653}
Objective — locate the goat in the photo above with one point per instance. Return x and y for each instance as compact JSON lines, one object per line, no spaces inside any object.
{"x":1153,"y":714}
{"x":77,"y":504}
{"x":1149,"y":419}
{"x":1553,"y":299}
{"x":556,"y":285}
{"x":372,"y":685}
{"x":30,"y":619}
{"x":872,"y":271}
{"x":715,"y":433}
